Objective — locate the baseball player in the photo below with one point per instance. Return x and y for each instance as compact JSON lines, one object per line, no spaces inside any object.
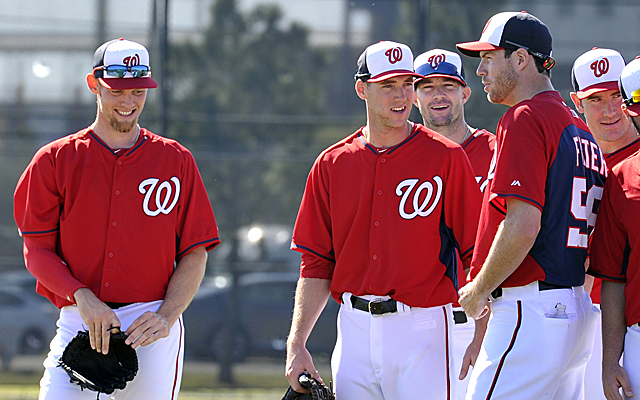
{"x":615,"y":259}
{"x":537,"y":213}
{"x":116,"y":225}
{"x":596,"y":95}
{"x":441,"y":96}
{"x":382,"y":216}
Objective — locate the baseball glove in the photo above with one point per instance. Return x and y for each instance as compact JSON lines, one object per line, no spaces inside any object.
{"x":102,"y":373}
{"x":318,"y":390}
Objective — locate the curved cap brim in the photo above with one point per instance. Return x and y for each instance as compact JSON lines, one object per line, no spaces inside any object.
{"x":598,"y":87}
{"x":473,"y":49}
{"x":455,"y":78}
{"x":128,"y":83}
{"x":392,"y":74}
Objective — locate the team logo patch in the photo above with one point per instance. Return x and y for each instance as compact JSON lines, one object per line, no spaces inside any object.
{"x":421,"y":204}
{"x":394,"y":54}
{"x":434,"y":60}
{"x":163,"y":194}
{"x":132,"y":61}
{"x":600,"y":67}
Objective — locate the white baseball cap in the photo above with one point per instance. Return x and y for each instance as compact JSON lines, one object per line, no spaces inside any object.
{"x":513,"y":30}
{"x":385,"y":60}
{"x":439,"y":62}
{"x":595,"y":71}
{"x":629,"y":85}
{"x":122,"y":64}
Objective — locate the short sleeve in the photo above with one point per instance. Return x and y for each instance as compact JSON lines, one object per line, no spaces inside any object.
{"x":37,"y":199}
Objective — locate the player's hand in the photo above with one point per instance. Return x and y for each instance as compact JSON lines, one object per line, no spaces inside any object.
{"x":98,"y":317}
{"x":146,"y":329}
{"x":475,"y":303}
{"x":615,"y":377}
{"x":299,"y":360}
{"x":469,"y":358}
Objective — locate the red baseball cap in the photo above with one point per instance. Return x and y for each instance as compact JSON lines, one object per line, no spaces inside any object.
{"x":122,"y":64}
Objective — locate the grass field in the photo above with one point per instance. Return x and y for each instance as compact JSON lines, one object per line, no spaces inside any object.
{"x":260,"y":379}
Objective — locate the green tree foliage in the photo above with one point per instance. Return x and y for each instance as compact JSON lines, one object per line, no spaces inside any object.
{"x":248,"y":87}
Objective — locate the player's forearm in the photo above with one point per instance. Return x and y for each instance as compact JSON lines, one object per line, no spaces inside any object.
{"x":614,"y":325}
{"x":183,"y":284}
{"x":515,"y":237}
{"x":311,"y":297}
{"x":48,"y":268}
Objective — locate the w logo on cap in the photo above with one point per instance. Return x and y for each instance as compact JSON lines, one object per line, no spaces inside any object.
{"x":132,"y":61}
{"x":600,"y":67}
{"x":394,"y":54}
{"x":436,"y":59}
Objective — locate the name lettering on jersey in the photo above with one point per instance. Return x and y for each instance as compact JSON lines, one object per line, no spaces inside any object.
{"x":515,"y":183}
{"x":419,"y":208}
{"x":590,"y":154}
{"x":162,"y":204}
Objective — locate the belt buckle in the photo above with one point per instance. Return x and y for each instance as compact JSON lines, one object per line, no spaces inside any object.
{"x":374,"y":307}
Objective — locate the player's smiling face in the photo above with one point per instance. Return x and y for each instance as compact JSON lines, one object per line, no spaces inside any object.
{"x":121,"y":108}
{"x":440,"y":100}
{"x":604,"y":116}
{"x":389,"y":102}
{"x":498,"y":76}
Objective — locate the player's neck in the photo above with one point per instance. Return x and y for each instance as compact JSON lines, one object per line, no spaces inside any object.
{"x":458,"y":132}
{"x":528,"y":87}
{"x":383,"y":137}
{"x":610,"y":147}
{"x":114,"y":138}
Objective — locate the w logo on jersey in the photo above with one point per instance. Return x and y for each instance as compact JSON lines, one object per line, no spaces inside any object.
{"x":161,"y":203}
{"x":423,"y":205}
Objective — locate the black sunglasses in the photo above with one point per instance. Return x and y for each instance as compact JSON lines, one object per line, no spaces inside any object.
{"x":548,"y":61}
{"x":119,"y":71}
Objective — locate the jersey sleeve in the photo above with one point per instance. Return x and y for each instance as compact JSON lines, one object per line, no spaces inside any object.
{"x":37,"y":199}
{"x":462,"y":203}
{"x":312,"y":230}
{"x":196,"y":222}
{"x":522,"y":160}
{"x":609,"y":243}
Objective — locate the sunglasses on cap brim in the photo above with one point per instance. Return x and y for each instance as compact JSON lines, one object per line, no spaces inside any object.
{"x":633,"y":99}
{"x":120,"y":71}
{"x":548,"y":62}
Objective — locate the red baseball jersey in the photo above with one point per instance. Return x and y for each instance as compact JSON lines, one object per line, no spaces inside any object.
{"x":389,"y":222}
{"x":612,"y":160}
{"x":615,"y":246}
{"x":123,"y":218}
{"x":479,"y":148}
{"x":546,"y":156}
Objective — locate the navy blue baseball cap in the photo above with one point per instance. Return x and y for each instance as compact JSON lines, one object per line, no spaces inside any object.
{"x":513,"y":30}
{"x":442,"y":63}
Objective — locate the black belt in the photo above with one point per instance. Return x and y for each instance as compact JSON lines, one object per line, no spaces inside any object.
{"x":376,"y":307}
{"x":459,"y":317}
{"x":115,"y":306}
{"x":542,"y":286}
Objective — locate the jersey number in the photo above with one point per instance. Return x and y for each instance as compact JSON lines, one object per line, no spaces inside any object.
{"x":582,"y":212}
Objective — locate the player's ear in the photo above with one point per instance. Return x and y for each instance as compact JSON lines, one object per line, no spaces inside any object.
{"x":521,"y":58}
{"x":92,"y":83}
{"x":360,"y":89}
{"x":577,"y":102}
{"x":466,"y":93}
{"x":415,"y":98}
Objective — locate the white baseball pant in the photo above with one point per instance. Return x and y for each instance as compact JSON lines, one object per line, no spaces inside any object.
{"x":529,"y":354}
{"x":159,"y":364}
{"x":462,"y":336}
{"x":400,"y":355}
{"x":631,"y":359}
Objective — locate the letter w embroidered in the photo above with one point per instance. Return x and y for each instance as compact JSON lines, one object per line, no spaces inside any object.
{"x":419,"y":209}
{"x":515,"y":183}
